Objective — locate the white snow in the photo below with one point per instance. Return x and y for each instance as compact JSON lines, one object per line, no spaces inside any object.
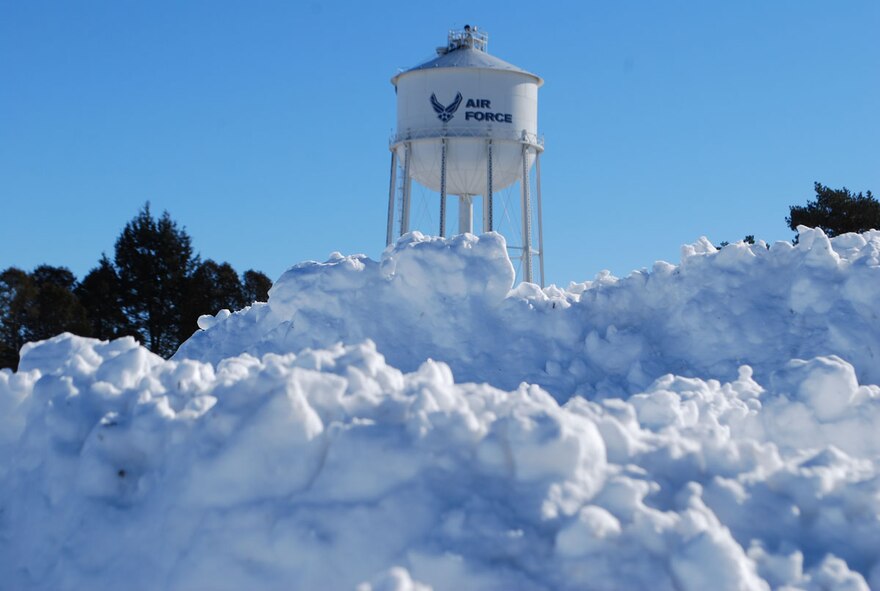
{"x":415,"y":424}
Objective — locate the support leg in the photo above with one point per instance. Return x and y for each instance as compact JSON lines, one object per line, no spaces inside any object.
{"x":540,"y":215}
{"x":526,"y":217}
{"x":443,"y":149}
{"x":487,"y":198}
{"x":389,"y":234}
{"x":407,"y":189}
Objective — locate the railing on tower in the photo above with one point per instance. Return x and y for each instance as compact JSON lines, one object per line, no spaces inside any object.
{"x":520,"y":136}
{"x":470,"y":37}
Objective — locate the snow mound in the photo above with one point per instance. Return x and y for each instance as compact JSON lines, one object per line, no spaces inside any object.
{"x":413,"y":424}
{"x":449,"y":300}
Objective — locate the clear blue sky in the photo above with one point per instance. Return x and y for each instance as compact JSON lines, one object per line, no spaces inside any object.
{"x":262,"y":127}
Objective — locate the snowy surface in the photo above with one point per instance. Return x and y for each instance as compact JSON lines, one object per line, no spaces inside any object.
{"x":414,"y":424}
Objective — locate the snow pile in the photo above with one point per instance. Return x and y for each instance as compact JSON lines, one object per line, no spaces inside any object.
{"x":728,"y":436}
{"x":448,"y":300}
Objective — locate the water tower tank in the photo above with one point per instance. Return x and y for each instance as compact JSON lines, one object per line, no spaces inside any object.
{"x":467,"y":125}
{"x":467,"y":96}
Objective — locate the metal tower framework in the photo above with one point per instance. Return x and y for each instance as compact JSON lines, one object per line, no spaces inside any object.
{"x":400,"y":196}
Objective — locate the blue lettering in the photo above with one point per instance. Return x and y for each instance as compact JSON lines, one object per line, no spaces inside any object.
{"x":496,"y":117}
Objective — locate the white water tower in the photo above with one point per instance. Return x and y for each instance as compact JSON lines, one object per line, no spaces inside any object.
{"x":467,"y":125}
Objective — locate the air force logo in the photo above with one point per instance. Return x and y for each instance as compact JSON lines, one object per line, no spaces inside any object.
{"x":484,"y":112}
{"x":444,"y":114}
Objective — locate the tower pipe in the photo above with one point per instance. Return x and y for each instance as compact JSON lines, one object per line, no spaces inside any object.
{"x":443,"y":149}
{"x":487,"y":198}
{"x":389,"y":234}
{"x":540,"y":215}
{"x":465,"y":214}
{"x":526,"y":217}
{"x":407,"y":189}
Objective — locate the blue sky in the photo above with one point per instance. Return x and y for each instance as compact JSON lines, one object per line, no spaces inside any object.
{"x":263,"y":127}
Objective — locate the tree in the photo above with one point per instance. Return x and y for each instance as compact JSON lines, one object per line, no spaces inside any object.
{"x":17,"y":291}
{"x":211,"y":288}
{"x":154,"y":259}
{"x":749,"y":239}
{"x":836,"y":211}
{"x":215,"y":286}
{"x":56,"y":308}
{"x":100,"y":294}
{"x":36,"y":306}
{"x":256,"y":287}
{"x":154,"y":289}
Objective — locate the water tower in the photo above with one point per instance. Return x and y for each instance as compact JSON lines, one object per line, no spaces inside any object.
{"x":467,"y":126}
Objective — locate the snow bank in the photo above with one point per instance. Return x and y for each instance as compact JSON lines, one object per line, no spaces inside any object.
{"x":728,"y":436}
{"x":448,"y":300}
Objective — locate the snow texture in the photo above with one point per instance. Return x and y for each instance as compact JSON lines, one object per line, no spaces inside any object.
{"x":415,"y":424}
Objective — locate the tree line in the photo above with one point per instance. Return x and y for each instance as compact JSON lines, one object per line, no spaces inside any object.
{"x":154,"y":289}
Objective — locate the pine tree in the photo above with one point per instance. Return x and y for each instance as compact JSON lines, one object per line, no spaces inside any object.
{"x":154,"y":289}
{"x":17,"y":290}
{"x":836,"y":211}
{"x":211,"y":288}
{"x":154,"y":259}
{"x":36,"y":306}
{"x":256,"y":287}
{"x":100,"y":294}
{"x":56,"y":308}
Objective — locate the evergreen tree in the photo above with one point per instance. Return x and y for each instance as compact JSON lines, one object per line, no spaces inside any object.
{"x":36,"y":306}
{"x":211,"y":288}
{"x":154,"y":289}
{"x":56,"y":308}
{"x":836,"y":211}
{"x":100,"y":294}
{"x":749,"y":239}
{"x":154,"y":259}
{"x":17,"y":292}
{"x":256,"y":287}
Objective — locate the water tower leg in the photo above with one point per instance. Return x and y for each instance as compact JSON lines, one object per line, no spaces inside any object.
{"x":389,"y":235}
{"x":526,"y":217}
{"x":443,"y":149}
{"x":407,"y":189}
{"x":540,"y":217}
{"x":487,"y":198}
{"x":465,"y":214}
